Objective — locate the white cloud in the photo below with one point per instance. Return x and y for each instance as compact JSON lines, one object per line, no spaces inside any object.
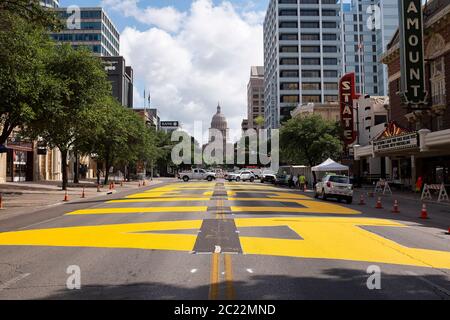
{"x":207,"y":60}
{"x":166,"y":18}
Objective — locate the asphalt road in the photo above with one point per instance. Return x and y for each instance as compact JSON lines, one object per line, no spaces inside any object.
{"x":220,"y":240}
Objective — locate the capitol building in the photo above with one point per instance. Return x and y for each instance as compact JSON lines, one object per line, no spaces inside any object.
{"x":219,"y":123}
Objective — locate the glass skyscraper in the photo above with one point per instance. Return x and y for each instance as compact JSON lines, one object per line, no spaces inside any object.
{"x":368,"y":27}
{"x":93,"y":30}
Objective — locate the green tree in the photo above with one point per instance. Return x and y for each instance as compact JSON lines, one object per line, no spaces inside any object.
{"x":118,"y":137}
{"x":31,"y":11}
{"x":82,"y":87}
{"x":309,"y":140}
{"x":259,"y":121}
{"x":25,"y":85}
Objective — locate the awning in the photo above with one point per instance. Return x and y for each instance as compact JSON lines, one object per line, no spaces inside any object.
{"x":330,"y":165}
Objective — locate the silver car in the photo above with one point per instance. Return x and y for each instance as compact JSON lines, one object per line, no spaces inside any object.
{"x":335,"y":186}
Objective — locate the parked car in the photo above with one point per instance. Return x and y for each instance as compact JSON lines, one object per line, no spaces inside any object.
{"x":197,"y":174}
{"x":241,"y":175}
{"x":268,"y":176}
{"x":335,"y":186}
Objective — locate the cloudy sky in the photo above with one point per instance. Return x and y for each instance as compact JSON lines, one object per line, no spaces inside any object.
{"x":190,"y":54}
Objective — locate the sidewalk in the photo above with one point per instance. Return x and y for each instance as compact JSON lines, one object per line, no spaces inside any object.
{"x":25,"y":197}
{"x":367,"y":191}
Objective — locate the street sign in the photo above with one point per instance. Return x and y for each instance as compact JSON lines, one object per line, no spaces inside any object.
{"x":346,"y":96}
{"x":412,"y":70}
{"x":169,"y":124}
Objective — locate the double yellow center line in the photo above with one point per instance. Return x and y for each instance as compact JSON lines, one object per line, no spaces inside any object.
{"x":215,"y":266}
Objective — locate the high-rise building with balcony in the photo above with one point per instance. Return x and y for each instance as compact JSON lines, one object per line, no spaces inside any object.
{"x":302,"y":55}
{"x":95,"y":31}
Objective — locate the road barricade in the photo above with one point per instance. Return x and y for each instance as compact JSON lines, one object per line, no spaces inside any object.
{"x":426,"y":192}
{"x":383,"y":186}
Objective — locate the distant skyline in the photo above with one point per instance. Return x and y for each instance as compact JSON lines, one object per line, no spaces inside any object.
{"x":189,"y":54}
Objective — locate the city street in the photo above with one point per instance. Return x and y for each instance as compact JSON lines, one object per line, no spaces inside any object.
{"x":223,"y":240}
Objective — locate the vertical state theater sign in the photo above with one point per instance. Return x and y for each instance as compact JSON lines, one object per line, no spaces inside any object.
{"x":411,"y":54}
{"x":346,"y":97}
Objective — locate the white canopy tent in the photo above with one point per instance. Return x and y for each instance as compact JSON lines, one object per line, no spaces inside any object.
{"x":330,"y":165}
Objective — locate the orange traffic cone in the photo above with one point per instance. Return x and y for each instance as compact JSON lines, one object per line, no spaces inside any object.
{"x":66,"y":197}
{"x":82,"y":194}
{"x":379,"y":206}
{"x":424,"y":213}
{"x":361,"y":200}
{"x":395,"y":207}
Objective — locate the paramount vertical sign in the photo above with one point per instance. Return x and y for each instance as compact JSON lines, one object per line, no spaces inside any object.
{"x":411,"y":54}
{"x":346,"y":96}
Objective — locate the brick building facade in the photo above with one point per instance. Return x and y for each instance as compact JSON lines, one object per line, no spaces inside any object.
{"x":417,"y":143}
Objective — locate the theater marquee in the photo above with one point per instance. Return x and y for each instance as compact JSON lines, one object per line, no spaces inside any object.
{"x":346,"y":96}
{"x":411,"y":54}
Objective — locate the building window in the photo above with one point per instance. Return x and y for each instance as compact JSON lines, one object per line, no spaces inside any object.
{"x":328,"y":13}
{"x":310,"y":49}
{"x":311,"y":13}
{"x":289,"y":36}
{"x":310,"y":98}
{"x":330,"y":73}
{"x":310,"y":86}
{"x":288,"y":24}
{"x":438,"y":82}
{"x":289,"y":61}
{"x":329,"y":25}
{"x":289,"y":49}
{"x":330,"y":86}
{"x":311,"y":73}
{"x":285,"y":12}
{"x":330,"y":61}
{"x":310,"y":61}
{"x":289,"y":86}
{"x":331,"y":98}
{"x":289,"y":74}
{"x":329,"y":49}
{"x":289,"y":99}
{"x":310,"y":36}
{"x":309,"y":25}
{"x":329,"y":36}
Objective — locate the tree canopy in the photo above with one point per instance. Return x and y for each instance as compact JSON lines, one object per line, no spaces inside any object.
{"x":310,"y":140}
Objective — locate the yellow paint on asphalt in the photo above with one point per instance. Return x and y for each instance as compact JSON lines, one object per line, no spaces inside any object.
{"x":157,"y":200}
{"x":339,"y":238}
{"x":109,"y":236}
{"x":138,"y":210}
{"x":230,"y":293}
{"x":309,"y":207}
{"x":323,"y":237}
{"x":214,"y":277}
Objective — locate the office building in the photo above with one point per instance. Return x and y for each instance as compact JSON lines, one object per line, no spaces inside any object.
{"x":255,"y":97}
{"x":94,"y":31}
{"x":49,"y":3}
{"x":368,"y":27}
{"x":302,"y":55}
{"x":121,"y":77}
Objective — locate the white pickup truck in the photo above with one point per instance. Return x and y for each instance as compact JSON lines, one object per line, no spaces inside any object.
{"x":197,"y":174}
